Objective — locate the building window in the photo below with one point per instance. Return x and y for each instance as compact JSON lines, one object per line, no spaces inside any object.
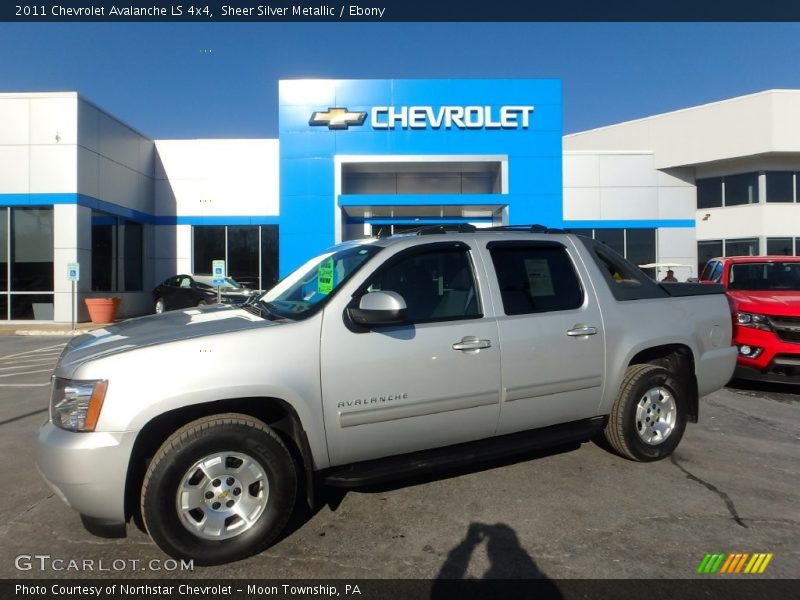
{"x":731,"y":190}
{"x":741,"y":189}
{"x":780,"y":246}
{"x":117,"y":254}
{"x":709,"y":192}
{"x":741,"y":247}
{"x":780,"y":186}
{"x":614,"y":238}
{"x":250,"y":252}
{"x":26,"y":263}
{"x":640,"y":248}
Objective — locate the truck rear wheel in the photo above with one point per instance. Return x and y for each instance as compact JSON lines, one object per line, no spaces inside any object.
{"x":649,"y":415}
{"x":219,"y":489}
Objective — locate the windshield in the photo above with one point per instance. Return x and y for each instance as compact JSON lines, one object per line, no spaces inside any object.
{"x":775,"y":276}
{"x":299,"y":294}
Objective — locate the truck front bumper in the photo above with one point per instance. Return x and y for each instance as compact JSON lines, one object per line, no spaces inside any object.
{"x":87,"y":470}
{"x":777,"y":360}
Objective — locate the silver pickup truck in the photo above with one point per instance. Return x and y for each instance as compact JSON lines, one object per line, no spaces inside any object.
{"x":374,"y":360}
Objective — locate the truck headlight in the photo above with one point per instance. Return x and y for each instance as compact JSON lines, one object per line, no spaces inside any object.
{"x":753,"y":320}
{"x":75,"y":405}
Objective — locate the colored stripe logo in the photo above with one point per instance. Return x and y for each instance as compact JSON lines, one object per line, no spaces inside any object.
{"x":736,"y":562}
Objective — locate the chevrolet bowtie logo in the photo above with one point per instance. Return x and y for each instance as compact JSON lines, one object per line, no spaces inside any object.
{"x":338,"y":118}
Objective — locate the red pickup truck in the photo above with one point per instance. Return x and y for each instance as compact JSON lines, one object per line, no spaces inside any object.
{"x":764,"y":293}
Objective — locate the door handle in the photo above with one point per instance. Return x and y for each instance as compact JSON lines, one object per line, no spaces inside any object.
{"x":472,"y":343}
{"x":581,"y":330}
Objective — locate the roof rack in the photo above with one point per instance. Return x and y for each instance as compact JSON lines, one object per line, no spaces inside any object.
{"x":455,"y":228}
{"x":469,"y":228}
{"x":536,"y":228}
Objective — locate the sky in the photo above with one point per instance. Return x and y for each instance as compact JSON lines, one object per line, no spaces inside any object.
{"x":220,"y":80}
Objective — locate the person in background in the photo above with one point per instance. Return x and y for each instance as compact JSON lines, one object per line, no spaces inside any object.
{"x":670,"y":278}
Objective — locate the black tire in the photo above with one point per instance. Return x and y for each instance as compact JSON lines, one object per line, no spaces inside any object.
{"x":201,"y":303}
{"x":233,"y":434}
{"x":622,"y":431}
{"x":159,"y":306}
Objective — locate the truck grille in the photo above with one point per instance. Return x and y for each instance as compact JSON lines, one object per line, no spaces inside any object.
{"x":786,"y":328}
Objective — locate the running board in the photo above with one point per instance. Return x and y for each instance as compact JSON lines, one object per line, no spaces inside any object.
{"x":372,"y":472}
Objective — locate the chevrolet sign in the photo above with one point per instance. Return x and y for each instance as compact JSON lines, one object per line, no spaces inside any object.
{"x":423,"y":117}
{"x":449,"y":117}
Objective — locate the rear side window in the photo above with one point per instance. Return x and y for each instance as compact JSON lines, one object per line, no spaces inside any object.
{"x":626,"y":280}
{"x":535,"y":278}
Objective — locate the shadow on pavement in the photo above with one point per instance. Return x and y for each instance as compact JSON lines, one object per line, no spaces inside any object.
{"x":508,"y":561}
{"x":332,"y":497}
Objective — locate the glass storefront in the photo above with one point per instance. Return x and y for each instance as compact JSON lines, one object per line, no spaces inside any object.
{"x":26,"y":263}
{"x":117,"y":254}
{"x":250,"y":252}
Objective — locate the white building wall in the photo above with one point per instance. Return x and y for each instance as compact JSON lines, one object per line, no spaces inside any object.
{"x":217,"y":178}
{"x":38,"y":138}
{"x":760,"y":220}
{"x":627,"y":186}
{"x":200,"y":180}
{"x":743,"y":126}
{"x":115,"y":164}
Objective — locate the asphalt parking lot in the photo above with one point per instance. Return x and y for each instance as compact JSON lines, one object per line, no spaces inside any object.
{"x":732,"y":486}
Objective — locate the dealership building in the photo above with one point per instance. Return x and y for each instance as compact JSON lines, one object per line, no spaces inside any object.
{"x":355,"y":158}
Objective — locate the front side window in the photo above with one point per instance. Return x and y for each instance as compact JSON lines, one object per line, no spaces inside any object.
{"x":436,"y":284}
{"x":707,"y":272}
{"x":535,"y":278}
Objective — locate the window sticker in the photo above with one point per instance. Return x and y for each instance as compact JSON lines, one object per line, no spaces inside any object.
{"x":325,"y":277}
{"x":539,"y":278}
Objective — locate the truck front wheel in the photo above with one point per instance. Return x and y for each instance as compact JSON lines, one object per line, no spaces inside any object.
{"x":219,"y":489}
{"x":649,"y":415}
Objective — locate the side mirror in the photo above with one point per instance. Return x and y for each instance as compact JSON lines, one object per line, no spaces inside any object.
{"x":379,"y":308}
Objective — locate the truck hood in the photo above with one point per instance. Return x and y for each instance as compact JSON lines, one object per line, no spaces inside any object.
{"x":785,"y":303}
{"x":158,"y":329}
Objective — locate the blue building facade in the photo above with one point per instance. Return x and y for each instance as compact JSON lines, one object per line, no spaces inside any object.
{"x":401,"y":153}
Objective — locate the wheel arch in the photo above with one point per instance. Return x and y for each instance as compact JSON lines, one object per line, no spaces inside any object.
{"x":276,"y":413}
{"x":679,"y":359}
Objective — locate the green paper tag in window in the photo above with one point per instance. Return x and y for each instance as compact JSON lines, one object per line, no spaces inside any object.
{"x":325,"y":277}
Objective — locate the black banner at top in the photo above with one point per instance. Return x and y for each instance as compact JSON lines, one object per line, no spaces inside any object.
{"x":278,"y":11}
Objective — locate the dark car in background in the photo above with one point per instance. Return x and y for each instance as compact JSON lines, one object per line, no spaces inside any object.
{"x":185,"y":291}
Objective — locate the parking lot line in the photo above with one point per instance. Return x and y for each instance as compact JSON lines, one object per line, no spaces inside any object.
{"x":26,"y":373}
{"x":34,"y":351}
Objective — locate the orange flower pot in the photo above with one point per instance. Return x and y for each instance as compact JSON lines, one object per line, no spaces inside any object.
{"x":103,"y":310}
